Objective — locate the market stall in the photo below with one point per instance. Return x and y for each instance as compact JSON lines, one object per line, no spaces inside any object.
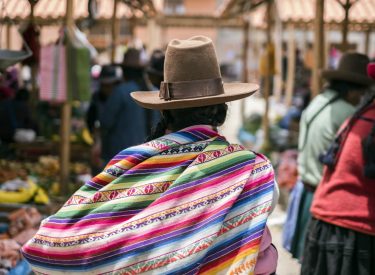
{"x":65,"y":97}
{"x":40,"y":167}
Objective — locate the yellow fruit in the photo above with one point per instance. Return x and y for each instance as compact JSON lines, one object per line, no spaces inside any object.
{"x":86,"y":136}
{"x":25,"y":195}
{"x":55,"y":188}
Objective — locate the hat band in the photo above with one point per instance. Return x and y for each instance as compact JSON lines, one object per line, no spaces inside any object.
{"x":191,"y":89}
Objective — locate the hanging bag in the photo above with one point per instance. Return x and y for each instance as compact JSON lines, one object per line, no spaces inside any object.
{"x":53,"y":77}
{"x":78,"y":64}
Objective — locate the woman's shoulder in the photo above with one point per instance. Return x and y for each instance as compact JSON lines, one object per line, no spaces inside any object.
{"x":258,"y":159}
{"x":255,"y":155}
{"x":262,"y":163}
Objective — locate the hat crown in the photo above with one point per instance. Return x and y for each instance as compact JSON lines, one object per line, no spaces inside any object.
{"x":108,"y":71}
{"x":134,"y":58}
{"x":354,"y":63}
{"x":192,"y":78}
{"x":191,"y":59}
{"x":157,"y":61}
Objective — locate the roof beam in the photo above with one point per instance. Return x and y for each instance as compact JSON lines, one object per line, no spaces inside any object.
{"x":199,"y":22}
{"x":238,"y":7}
{"x":145,"y":6}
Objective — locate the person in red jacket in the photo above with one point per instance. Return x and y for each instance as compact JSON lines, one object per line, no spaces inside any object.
{"x":341,"y":235}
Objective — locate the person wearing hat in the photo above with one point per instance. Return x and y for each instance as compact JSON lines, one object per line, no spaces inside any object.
{"x":341,"y":234}
{"x":155,"y":73}
{"x":155,"y":69}
{"x":318,"y":126}
{"x":109,"y":77}
{"x":123,"y":122}
{"x":185,"y":202}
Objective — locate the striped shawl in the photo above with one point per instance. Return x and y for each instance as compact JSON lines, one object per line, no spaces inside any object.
{"x":186,"y":203}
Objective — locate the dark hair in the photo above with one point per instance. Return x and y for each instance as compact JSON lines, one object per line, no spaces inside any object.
{"x":344,"y":87}
{"x":178,"y":119}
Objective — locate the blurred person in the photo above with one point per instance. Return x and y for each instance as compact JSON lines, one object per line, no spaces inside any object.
{"x":308,"y":58}
{"x":341,"y":234}
{"x":299,"y":77}
{"x":308,"y":62}
{"x":14,"y":109}
{"x":109,"y":77}
{"x":267,"y":66}
{"x":186,"y":201}
{"x":27,"y":128}
{"x":284,"y":66}
{"x":8,"y":123}
{"x":15,"y":116}
{"x":123,"y":123}
{"x":11,"y":78}
{"x":319,"y":124}
{"x":155,"y":73}
{"x":155,"y":68}
{"x":334,"y":57}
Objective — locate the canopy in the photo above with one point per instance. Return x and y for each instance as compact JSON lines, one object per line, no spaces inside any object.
{"x":362,"y":13}
{"x":50,"y":11}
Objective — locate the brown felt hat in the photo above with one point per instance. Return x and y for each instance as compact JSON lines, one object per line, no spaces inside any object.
{"x":192,"y":78}
{"x":352,"y":68}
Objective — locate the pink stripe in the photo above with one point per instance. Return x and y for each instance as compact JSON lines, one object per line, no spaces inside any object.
{"x":69,"y":255}
{"x":97,"y":223}
{"x":181,"y":194}
{"x":258,"y":182}
{"x":187,"y":192}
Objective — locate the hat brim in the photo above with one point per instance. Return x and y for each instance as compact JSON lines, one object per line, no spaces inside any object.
{"x":347,"y":76}
{"x":232,"y":91}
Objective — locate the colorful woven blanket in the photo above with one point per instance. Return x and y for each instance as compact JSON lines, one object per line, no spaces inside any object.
{"x":186,"y":203}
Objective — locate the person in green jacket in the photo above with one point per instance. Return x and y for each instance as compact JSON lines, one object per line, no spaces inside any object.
{"x":319,"y":124}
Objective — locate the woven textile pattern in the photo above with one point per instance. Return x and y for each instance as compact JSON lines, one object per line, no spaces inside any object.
{"x":186,"y":203}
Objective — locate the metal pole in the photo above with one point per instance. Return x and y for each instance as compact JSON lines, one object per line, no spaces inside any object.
{"x":267,"y":80}
{"x":115,"y":31}
{"x":245,"y":57}
{"x":69,"y":19}
{"x":66,"y":120}
{"x":8,"y":36}
{"x":318,"y":47}
{"x":33,"y":67}
{"x":345,"y":26}
{"x":291,"y":66}
{"x":278,"y":41}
